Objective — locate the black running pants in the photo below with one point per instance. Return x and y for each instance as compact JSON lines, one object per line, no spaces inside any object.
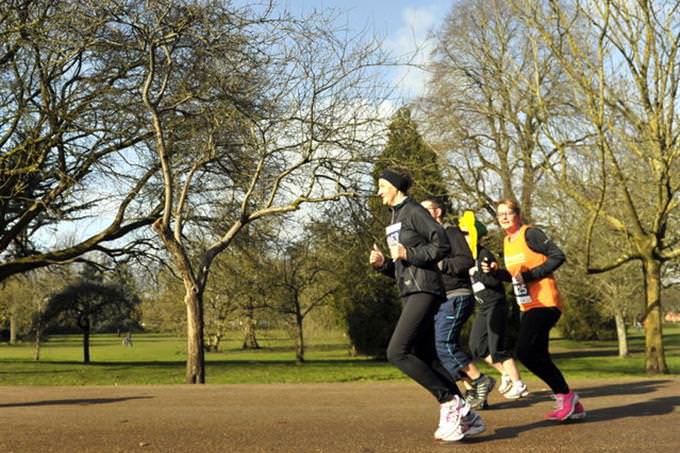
{"x":532,"y":346}
{"x":412,"y":347}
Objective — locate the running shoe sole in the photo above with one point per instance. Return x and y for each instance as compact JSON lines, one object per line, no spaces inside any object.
{"x":524,"y":394}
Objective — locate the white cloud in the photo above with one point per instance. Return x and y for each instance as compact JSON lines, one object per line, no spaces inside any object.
{"x":411,"y":45}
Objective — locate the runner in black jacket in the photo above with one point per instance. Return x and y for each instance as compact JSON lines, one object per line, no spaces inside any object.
{"x":417,"y":243}
{"x":456,"y":310}
{"x":424,"y":243}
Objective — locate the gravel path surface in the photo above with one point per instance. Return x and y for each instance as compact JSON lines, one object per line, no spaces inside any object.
{"x":629,"y":415}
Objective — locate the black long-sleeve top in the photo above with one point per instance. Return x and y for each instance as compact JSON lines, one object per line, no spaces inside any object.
{"x":456,"y":265}
{"x":493,"y":287}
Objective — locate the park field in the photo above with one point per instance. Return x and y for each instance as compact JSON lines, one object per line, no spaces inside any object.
{"x":160,"y":359}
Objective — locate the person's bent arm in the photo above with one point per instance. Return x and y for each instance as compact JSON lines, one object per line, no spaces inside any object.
{"x":459,"y":260}
{"x":540,"y":243}
{"x":493,"y":268}
{"x":436,"y":246}
{"x":489,"y":279}
{"x":380,"y":263}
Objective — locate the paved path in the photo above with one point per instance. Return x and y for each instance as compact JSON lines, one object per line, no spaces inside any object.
{"x":630,"y":415}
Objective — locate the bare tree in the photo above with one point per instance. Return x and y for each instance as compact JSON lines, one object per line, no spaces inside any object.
{"x":239,"y":289}
{"x":619,"y":293}
{"x":299,"y":283}
{"x":69,"y":135}
{"x":12,"y":299}
{"x":253,"y":115}
{"x":621,"y":58}
{"x":481,"y":108}
{"x":234,"y":295}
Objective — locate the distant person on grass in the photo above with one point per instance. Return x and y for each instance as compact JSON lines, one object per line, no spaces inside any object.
{"x":416,"y":244}
{"x":530,"y":260}
{"x":487,"y":337}
{"x":456,"y":310}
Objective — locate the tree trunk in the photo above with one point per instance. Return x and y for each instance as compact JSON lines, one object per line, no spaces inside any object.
{"x":249,"y":339}
{"x":655,"y":359}
{"x":38,"y":333}
{"x":299,"y":340}
{"x":36,"y":345}
{"x":621,"y":333}
{"x":195,"y":373}
{"x":13,"y":328}
{"x":86,"y":345}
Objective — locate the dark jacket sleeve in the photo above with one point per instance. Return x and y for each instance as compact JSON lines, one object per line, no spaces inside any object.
{"x":436,"y":245}
{"x":540,"y":243}
{"x":490,"y":279}
{"x":502,"y":275}
{"x":387,"y":268}
{"x":459,"y":260}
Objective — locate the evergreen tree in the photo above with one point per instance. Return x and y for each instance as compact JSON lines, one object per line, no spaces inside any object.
{"x":406,"y":149}
{"x":366,"y":303}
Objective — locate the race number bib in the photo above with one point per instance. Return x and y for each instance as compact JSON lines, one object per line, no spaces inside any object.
{"x":478,"y":286}
{"x":392,"y":233}
{"x":521,"y":292}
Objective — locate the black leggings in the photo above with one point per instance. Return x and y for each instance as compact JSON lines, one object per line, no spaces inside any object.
{"x":532,"y":346}
{"x":487,"y":336}
{"x":412,"y":347}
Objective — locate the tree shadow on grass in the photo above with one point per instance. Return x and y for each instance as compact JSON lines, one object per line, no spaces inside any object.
{"x":93,"y":363}
{"x":77,"y":401}
{"x":590,"y":353}
{"x":209,"y":362}
{"x":286,"y":348}
{"x":649,"y":407}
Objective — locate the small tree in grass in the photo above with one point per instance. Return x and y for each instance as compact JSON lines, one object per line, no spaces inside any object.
{"x":85,"y":304}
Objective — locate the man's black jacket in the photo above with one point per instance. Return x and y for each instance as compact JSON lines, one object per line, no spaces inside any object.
{"x":425,"y":243}
{"x":457,"y":263}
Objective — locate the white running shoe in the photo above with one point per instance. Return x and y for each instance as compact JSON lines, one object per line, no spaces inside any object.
{"x":450,"y":415}
{"x":506,"y":383}
{"x":443,"y":414}
{"x":518,"y":390}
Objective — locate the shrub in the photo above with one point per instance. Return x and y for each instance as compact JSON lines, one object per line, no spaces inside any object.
{"x":583,"y":319}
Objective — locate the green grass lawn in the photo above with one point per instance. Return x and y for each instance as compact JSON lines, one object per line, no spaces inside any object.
{"x":160,"y":359}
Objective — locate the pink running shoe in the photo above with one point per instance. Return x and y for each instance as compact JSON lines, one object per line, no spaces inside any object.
{"x":565,"y":404}
{"x":579,"y":412}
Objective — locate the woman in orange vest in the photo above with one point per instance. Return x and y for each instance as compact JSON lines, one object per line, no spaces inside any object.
{"x":530,"y":260}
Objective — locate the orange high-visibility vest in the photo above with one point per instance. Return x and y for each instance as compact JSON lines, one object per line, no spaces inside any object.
{"x":519,"y":258}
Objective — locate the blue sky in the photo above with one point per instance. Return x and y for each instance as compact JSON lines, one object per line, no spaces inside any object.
{"x":403,"y":24}
{"x":386,"y":15}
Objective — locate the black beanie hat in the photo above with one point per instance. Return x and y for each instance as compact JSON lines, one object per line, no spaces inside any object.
{"x":401,"y":182}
